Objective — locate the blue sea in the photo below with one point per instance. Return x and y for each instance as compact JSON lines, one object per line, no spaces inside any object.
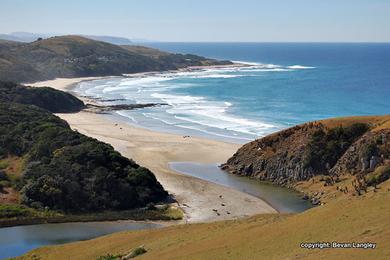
{"x":282,"y":85}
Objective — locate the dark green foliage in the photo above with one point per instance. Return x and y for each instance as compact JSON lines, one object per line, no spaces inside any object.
{"x":379,"y":176}
{"x":151,"y":206}
{"x":4,"y":180}
{"x":370,"y":149}
{"x":109,"y":257}
{"x":12,"y":210}
{"x":48,"y":98}
{"x":68,"y":171}
{"x":326,"y":147}
{"x":3,"y":176}
{"x":138,"y":251}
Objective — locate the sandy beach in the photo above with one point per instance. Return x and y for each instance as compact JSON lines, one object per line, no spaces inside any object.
{"x":202,"y":201}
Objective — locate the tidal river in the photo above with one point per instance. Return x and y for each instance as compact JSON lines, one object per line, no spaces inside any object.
{"x":15,"y":241}
{"x":282,"y":199}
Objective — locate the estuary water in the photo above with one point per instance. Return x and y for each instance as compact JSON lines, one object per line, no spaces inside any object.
{"x":15,"y":241}
{"x":282,"y":199}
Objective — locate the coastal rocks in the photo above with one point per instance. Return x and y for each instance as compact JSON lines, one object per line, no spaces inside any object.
{"x":278,"y":158}
{"x":367,"y":153}
{"x":281,"y":157}
{"x":305,"y":197}
{"x":99,"y":109}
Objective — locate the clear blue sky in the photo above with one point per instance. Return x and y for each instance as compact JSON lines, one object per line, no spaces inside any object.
{"x":204,"y":20}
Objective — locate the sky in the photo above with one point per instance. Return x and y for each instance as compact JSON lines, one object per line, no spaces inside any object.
{"x":204,"y":20}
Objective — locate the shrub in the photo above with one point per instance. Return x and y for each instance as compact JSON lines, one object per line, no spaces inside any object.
{"x":3,"y":176}
{"x":47,"y":98}
{"x":3,"y":165}
{"x":109,"y":257}
{"x":12,"y":210}
{"x":137,"y":251}
{"x":370,"y":150}
{"x":68,"y":171}
{"x":380,"y":175}
{"x":151,"y":206}
{"x":326,"y":147}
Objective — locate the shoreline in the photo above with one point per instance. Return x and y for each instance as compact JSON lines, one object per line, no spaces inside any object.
{"x":201,"y":201}
{"x":166,"y":217}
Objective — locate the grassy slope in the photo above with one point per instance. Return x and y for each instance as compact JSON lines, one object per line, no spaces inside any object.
{"x":344,"y":218}
{"x":361,"y":219}
{"x":380,"y":122}
{"x":316,"y":184}
{"x":76,"y":56}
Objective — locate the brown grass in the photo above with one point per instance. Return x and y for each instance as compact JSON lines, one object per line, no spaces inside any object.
{"x":272,"y":236}
{"x":13,"y":166}
{"x":378,"y":122}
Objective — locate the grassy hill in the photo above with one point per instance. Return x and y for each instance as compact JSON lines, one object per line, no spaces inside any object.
{"x":76,"y":56}
{"x":345,"y":154}
{"x":344,"y":216}
{"x":30,"y":37}
{"x":348,"y":219}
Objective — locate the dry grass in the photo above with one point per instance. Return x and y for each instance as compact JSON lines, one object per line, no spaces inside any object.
{"x":13,"y":166}
{"x":379,"y":122}
{"x":272,"y":236}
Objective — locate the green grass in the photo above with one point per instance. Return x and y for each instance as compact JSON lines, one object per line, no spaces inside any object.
{"x":13,"y":210}
{"x":13,"y":215}
{"x":137,"y":251}
{"x":381,"y":174}
{"x":172,"y":213}
{"x":109,"y":257}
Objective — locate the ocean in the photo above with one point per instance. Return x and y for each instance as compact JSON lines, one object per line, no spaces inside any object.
{"x":283,"y":85}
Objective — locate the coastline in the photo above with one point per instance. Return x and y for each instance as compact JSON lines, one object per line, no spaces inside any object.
{"x":201,"y":201}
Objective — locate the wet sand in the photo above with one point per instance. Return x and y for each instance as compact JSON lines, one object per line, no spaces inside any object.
{"x":201,"y":200}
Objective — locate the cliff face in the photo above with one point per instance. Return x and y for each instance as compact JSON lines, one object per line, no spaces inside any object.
{"x":277,"y":157}
{"x":317,"y":148}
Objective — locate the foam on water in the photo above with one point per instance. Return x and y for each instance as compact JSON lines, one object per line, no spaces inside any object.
{"x":199,"y":113}
{"x":297,"y":67}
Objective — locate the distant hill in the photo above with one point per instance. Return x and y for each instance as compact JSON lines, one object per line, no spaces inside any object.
{"x":31,"y":37}
{"x":76,"y":56}
{"x":47,"y":98}
{"x":109,"y":39}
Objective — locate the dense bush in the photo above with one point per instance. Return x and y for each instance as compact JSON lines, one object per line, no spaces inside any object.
{"x":48,"y":98}
{"x":68,"y":171}
{"x":380,"y":175}
{"x":327,"y":146}
{"x":12,"y":210}
{"x":369,"y":150}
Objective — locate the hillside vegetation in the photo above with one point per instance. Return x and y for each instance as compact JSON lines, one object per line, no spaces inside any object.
{"x":65,"y":170}
{"x":55,"y":168}
{"x":76,"y":56}
{"x":346,"y":214}
{"x":273,"y":236}
{"x":47,"y":98}
{"x":31,"y":37}
{"x":346,"y":154}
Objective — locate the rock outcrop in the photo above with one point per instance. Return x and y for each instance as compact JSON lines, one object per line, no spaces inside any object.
{"x":316,"y":148}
